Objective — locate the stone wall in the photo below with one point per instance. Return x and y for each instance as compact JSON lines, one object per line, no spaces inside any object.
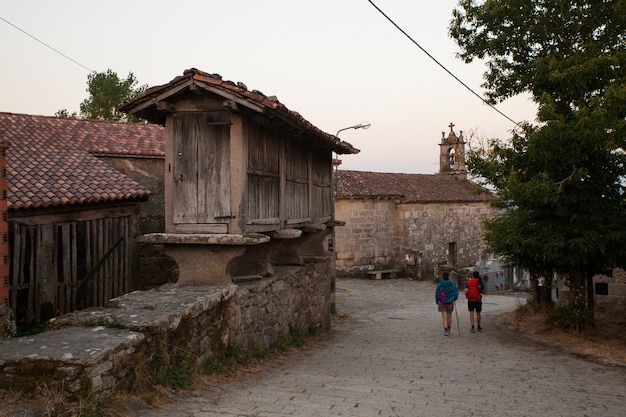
{"x":431,"y":229}
{"x":264,"y":310}
{"x":368,"y":239}
{"x":615,"y":286}
{"x":378,"y":234}
{"x":166,"y":328}
{"x":149,"y":172}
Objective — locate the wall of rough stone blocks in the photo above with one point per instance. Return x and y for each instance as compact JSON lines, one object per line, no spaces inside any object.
{"x":368,"y":239}
{"x":431,"y":228}
{"x":616,"y":284}
{"x":166,"y":328}
{"x":379,"y":233}
{"x":262,"y":311}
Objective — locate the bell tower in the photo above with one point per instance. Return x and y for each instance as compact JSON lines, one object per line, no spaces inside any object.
{"x":452,"y":153}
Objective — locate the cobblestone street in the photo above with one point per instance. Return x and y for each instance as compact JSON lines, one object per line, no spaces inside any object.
{"x":392,"y":359}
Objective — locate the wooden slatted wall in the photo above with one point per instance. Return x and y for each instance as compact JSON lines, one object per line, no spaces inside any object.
{"x":72,"y":265}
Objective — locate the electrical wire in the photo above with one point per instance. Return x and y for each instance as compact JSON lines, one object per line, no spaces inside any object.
{"x":46,"y":45}
{"x":441,"y":65}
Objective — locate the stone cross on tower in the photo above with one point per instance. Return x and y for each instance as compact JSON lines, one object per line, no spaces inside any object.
{"x":452,"y":153}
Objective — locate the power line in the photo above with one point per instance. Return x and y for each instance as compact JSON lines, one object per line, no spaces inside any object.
{"x":441,"y":65}
{"x":45,"y":44}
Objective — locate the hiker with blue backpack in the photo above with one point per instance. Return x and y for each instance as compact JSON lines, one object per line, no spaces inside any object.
{"x":446,"y":294}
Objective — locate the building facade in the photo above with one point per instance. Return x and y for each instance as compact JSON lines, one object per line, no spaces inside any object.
{"x":412,"y":223}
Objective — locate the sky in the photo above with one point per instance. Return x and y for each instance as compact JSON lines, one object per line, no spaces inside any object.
{"x":336,"y":62}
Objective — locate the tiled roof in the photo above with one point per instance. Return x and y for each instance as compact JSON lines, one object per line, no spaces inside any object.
{"x":148,"y":104}
{"x":39,"y":176}
{"x":94,"y":136}
{"x":410,"y":188}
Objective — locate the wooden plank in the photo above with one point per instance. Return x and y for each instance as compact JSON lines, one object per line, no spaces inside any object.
{"x":89,"y":247}
{"x":106,"y":265}
{"x":71,"y":290}
{"x":99,"y":284}
{"x":125,"y":262}
{"x":214,"y":174}
{"x":32,"y":285}
{"x":64,"y":281}
{"x":185,"y":169}
{"x":267,"y":221}
{"x":14,"y":282}
{"x":201,"y":228}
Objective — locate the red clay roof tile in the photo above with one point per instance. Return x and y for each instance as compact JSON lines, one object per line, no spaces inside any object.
{"x":409,"y":188}
{"x":94,"y":136}
{"x":49,"y":162}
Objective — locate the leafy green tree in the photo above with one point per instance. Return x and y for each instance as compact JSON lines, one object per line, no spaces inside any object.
{"x":560,"y":182}
{"x":106,"y":92}
{"x":65,"y":114}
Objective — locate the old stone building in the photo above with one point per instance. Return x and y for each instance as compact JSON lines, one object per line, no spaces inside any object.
{"x":411,"y":223}
{"x":136,"y":150}
{"x":248,"y":218}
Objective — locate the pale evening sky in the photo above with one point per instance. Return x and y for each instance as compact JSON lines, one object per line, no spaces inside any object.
{"x":336,"y":62}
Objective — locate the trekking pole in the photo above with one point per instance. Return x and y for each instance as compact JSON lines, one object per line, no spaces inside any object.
{"x":457,"y":319}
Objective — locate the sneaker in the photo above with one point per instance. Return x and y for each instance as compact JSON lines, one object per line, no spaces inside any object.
{"x":446,"y":332}
{"x":480,"y":329}
{"x":474,"y":330}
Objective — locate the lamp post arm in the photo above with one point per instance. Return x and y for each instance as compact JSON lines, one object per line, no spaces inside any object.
{"x":364,"y":125}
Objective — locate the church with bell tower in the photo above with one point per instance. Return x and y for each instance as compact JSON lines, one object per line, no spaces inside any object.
{"x":415,"y":224}
{"x":452,"y":153}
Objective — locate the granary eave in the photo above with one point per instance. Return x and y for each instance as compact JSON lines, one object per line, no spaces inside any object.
{"x":152,"y":105}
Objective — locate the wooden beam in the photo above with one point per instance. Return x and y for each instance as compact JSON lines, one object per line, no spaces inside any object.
{"x":165,"y":106}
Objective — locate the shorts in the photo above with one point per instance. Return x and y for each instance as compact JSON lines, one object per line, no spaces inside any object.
{"x":445,"y":307}
{"x":475,"y":306}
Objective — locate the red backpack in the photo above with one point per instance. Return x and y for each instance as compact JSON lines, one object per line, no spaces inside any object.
{"x":473,"y":289}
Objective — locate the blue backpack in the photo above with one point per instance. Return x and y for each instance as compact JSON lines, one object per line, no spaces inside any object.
{"x":446,"y":293}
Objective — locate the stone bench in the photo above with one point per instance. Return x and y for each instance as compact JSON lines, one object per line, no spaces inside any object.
{"x":379,"y":273}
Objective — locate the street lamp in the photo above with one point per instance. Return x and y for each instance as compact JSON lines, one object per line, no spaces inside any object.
{"x":336,"y":162}
{"x":364,"y":125}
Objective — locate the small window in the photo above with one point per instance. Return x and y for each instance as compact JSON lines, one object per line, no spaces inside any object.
{"x":602,"y":288}
{"x":452,"y":253}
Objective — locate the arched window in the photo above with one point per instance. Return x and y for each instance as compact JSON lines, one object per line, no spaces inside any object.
{"x":451,"y":157}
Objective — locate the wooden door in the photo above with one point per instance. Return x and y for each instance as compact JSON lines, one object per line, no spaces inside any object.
{"x":201,"y":169}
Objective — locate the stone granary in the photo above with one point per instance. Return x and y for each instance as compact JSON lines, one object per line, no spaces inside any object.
{"x":248,"y":182}
{"x":412,"y":223}
{"x":248,"y":216}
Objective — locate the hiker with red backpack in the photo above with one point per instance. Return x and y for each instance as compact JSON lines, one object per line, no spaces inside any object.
{"x":474,"y":291}
{"x":446,"y":294}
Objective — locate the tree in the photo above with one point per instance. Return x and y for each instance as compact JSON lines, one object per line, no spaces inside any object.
{"x":65,"y":114}
{"x":106,"y":92}
{"x":560,"y":182}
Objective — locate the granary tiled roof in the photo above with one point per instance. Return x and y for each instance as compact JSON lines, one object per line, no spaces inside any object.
{"x":94,"y":136}
{"x":409,"y":188}
{"x":39,"y":176}
{"x":151,"y":104}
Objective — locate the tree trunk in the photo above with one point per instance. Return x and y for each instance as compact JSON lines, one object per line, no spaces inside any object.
{"x":546,"y":300}
{"x":542,"y":293}
{"x":591,"y":302}
{"x":578,"y":289}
